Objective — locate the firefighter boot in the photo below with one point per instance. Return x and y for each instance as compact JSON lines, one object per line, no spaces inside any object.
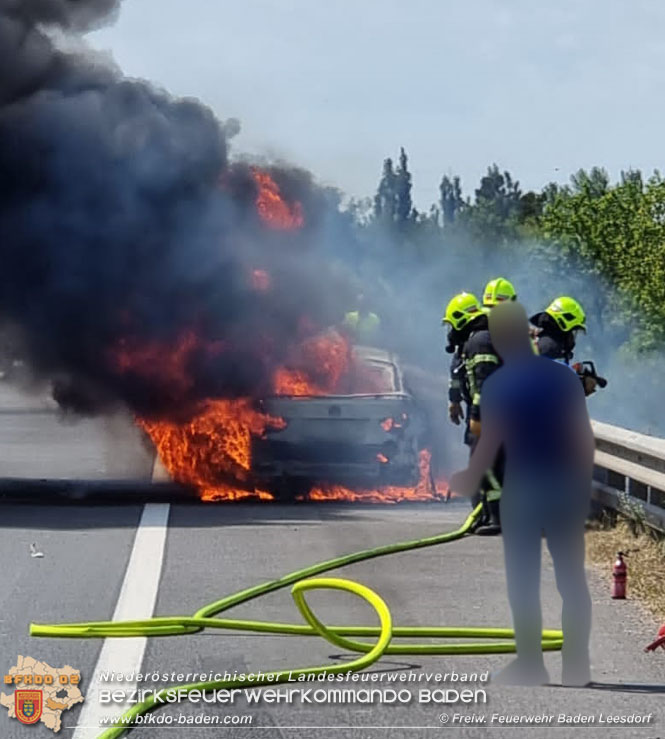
{"x":491,"y":497}
{"x":483,"y":519}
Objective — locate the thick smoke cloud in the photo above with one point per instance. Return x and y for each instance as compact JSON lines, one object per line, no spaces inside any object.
{"x":28,"y":60}
{"x":123,"y":227}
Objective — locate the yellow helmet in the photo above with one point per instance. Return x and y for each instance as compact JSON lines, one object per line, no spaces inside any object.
{"x":567,"y":313}
{"x":462,"y":309}
{"x":497,"y":291}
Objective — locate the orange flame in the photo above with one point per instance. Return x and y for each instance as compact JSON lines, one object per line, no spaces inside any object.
{"x":273,"y":210}
{"x":424,"y":490}
{"x":212,"y":451}
{"x":164,"y":365}
{"x":294,"y":382}
{"x":318,"y":367}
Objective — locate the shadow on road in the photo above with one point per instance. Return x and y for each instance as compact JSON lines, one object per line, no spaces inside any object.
{"x":628,"y":687}
{"x":623,"y":687}
{"x":47,"y":516}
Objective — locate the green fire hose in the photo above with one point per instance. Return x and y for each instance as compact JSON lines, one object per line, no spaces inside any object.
{"x":206,"y":617}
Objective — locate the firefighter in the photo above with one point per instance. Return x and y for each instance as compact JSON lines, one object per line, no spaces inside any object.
{"x":484,"y":359}
{"x":480,"y":361}
{"x":474,"y":360}
{"x":556,"y":328}
{"x":362,"y":325}
{"x":463,"y":315}
{"x":556,"y":331}
{"x":497,"y":291}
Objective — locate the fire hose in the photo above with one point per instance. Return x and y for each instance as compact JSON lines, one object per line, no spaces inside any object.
{"x":206,"y":617}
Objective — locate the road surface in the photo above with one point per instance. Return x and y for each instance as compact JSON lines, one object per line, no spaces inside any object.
{"x":131,"y":560}
{"x":213,"y":550}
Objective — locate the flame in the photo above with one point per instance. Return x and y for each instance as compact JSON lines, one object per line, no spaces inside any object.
{"x":164,"y":365}
{"x":294,"y":382}
{"x":273,"y":210}
{"x":160,"y":363}
{"x":423,"y":491}
{"x":317,"y":368}
{"x":388,"y":424}
{"x":212,"y":451}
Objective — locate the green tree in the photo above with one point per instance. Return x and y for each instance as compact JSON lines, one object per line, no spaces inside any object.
{"x":403,"y":204}
{"x":594,"y":183}
{"x":617,"y":235}
{"x":451,"y":199}
{"x":530,"y":206}
{"x":385,"y":200}
{"x":632,"y":175}
{"x":493,"y":218}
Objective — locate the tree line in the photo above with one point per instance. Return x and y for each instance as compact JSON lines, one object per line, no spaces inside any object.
{"x":593,"y":229}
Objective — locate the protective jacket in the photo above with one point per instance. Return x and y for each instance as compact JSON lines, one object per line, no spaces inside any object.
{"x":480,"y":360}
{"x":458,"y":387}
{"x":456,"y":384}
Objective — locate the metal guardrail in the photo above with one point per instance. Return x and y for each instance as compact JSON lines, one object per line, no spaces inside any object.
{"x":629,"y":474}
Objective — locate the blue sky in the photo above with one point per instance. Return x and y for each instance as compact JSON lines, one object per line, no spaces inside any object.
{"x":337,"y":85}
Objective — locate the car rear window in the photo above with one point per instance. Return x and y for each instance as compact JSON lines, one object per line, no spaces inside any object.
{"x":375,"y":377}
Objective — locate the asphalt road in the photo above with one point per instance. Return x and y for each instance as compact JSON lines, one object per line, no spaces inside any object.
{"x":214,"y":550}
{"x":99,"y":561}
{"x":38,"y":441}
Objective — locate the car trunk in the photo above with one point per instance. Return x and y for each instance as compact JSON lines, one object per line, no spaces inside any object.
{"x":350,"y":439}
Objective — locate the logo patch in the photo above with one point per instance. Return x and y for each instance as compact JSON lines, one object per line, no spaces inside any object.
{"x":37,"y":692}
{"x":28,"y":705}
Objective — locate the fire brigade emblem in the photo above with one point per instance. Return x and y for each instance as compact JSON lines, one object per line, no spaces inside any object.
{"x":41,"y":692}
{"x":28,"y":706}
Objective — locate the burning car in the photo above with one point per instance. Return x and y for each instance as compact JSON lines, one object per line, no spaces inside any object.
{"x":369,"y":436}
{"x":284,"y":408}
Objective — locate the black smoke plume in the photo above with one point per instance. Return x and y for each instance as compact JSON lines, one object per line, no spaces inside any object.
{"x":125,"y":231}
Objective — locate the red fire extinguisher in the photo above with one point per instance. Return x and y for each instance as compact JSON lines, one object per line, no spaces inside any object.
{"x":659,"y":642}
{"x":619,"y":576}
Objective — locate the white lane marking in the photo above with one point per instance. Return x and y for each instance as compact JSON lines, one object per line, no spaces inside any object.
{"x":137,"y":598}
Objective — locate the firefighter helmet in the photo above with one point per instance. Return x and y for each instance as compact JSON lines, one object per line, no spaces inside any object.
{"x":461,"y":310}
{"x":498,"y":290}
{"x":567,"y":313}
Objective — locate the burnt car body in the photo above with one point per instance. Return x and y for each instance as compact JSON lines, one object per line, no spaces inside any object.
{"x":365,"y":439}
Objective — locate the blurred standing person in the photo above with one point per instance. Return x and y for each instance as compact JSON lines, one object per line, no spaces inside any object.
{"x":536,"y":409}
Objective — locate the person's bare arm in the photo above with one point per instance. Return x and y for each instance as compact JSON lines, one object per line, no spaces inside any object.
{"x":467,"y":481}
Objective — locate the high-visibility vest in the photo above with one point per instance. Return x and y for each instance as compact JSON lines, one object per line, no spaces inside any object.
{"x":363,"y":327}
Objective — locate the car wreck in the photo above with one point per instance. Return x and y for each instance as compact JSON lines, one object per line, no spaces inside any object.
{"x":370,"y":437}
